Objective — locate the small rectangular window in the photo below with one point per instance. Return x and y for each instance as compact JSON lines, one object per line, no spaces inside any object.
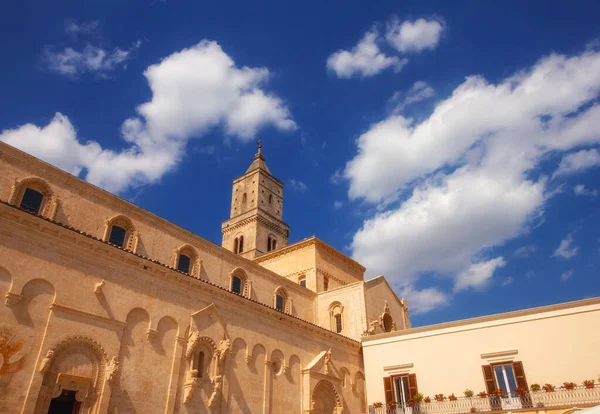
{"x":117,"y":236}
{"x":32,"y":201}
{"x":184,"y":263}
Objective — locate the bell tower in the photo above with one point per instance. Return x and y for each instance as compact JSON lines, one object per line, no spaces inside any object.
{"x":255,"y":224}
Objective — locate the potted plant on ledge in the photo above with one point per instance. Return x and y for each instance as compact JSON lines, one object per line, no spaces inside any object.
{"x":568,"y":385}
{"x":439,"y":397}
{"x":377,"y":405}
{"x":452,"y":397}
{"x":520,"y":391}
{"x":535,"y":387}
{"x":427,"y":400}
{"x":548,"y":387}
{"x":588,"y":383}
{"x":468,"y":393}
{"x":482,"y":394}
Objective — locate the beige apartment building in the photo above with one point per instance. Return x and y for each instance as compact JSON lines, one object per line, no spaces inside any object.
{"x":111,"y":309}
{"x":540,"y":360}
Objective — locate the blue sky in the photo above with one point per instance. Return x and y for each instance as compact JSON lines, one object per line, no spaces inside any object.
{"x":452,"y":146}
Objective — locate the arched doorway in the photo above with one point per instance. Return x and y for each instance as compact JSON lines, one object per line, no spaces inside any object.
{"x":73,"y":373}
{"x":325,"y":399}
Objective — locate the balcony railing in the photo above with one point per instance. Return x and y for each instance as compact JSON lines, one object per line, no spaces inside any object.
{"x":578,"y":396}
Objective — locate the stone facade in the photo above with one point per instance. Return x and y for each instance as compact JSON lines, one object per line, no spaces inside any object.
{"x":111,"y":309}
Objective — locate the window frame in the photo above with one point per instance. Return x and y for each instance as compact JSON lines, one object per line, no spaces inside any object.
{"x":110,"y":236}
{"x":42,"y":202}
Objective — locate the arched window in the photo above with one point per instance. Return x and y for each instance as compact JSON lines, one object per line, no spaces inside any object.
{"x":35,"y":196}
{"x":241,"y":244}
{"x":198,"y":364}
{"x":271,"y":243}
{"x":32,"y":200}
{"x":302,"y":281}
{"x":120,"y":232}
{"x":183,"y":264}
{"x":117,"y":236}
{"x":338,"y":323}
{"x":236,"y":285}
{"x":235,"y":245}
{"x":336,"y":311}
{"x":281,"y":301}
{"x":388,"y":322}
{"x":239,"y":283}
{"x":186,"y":260}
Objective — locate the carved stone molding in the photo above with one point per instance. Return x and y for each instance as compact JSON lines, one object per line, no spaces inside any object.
{"x":11,"y":298}
{"x":112,"y":369}
{"x":151,"y":334}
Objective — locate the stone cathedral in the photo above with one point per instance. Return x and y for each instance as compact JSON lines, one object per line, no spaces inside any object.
{"x":108,"y":308}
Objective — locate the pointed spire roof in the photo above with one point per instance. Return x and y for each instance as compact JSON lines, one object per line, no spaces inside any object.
{"x":259,"y":162}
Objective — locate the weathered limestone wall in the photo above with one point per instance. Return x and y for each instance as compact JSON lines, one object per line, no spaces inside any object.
{"x":144,"y":317}
{"x":377,"y":293}
{"x":352,"y":298}
{"x":88,"y":209}
{"x":293,"y":264}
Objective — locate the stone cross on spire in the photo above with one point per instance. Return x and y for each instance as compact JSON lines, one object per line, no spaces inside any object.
{"x":260,"y":145}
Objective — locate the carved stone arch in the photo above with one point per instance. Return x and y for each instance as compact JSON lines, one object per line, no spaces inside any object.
{"x":239,"y":345}
{"x":385,"y":320}
{"x":200,"y":352}
{"x":79,"y":364}
{"x":189,"y":251}
{"x":326,"y":399}
{"x":6,"y":282}
{"x":346,"y":377}
{"x":132,"y":235}
{"x":246,"y":288}
{"x":50,"y":201}
{"x":278,"y":363}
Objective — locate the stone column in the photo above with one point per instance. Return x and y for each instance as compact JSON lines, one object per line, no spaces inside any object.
{"x":175,"y":368}
{"x":268,"y":386}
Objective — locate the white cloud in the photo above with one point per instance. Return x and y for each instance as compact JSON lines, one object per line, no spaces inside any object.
{"x":365,"y":59}
{"x":338,"y":204}
{"x":193,"y":91}
{"x":567,"y":275}
{"x":478,"y":275}
{"x":580,"y":190}
{"x":565,"y":249}
{"x":508,"y":281}
{"x":55,"y":143}
{"x":298,"y":185}
{"x":578,"y":161}
{"x":92,"y":59}
{"x":425,"y":300}
{"x":414,"y":36}
{"x":457,"y":182}
{"x":73,"y":28}
{"x":525,"y":251}
{"x":420,"y":91}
